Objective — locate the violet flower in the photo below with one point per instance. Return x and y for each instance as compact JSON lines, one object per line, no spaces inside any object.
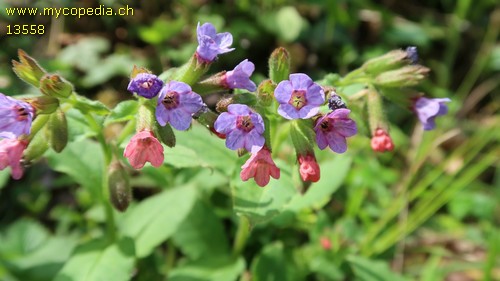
{"x":15,"y":117}
{"x":176,"y":105}
{"x":333,"y":129}
{"x":239,"y":77}
{"x":146,"y":85}
{"x":211,"y":44}
{"x":428,"y":109}
{"x":243,"y":128}
{"x":299,"y":97}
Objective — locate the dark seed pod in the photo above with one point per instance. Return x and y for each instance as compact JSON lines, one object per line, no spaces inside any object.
{"x":335,"y":102}
{"x":120,"y":192}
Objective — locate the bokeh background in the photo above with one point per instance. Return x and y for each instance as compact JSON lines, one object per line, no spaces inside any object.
{"x":427,"y":211}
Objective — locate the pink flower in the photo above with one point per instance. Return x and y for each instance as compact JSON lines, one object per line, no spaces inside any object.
{"x":11,"y":152}
{"x":142,"y":148}
{"x":309,"y":168}
{"x":326,"y":244}
{"x":261,"y":167}
{"x":381,"y":141}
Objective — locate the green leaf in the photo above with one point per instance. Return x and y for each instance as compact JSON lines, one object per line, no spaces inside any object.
{"x":218,"y":269}
{"x":4,"y":178}
{"x":85,"y":105}
{"x":370,"y":270}
{"x":83,"y":161}
{"x":124,"y":111}
{"x":289,"y":23}
{"x":202,"y":234}
{"x":210,"y":150}
{"x":95,"y":261}
{"x":270,"y":264}
{"x":155,"y":219}
{"x":325,"y":268}
{"x":320,"y":192}
{"x":184,"y":157}
{"x":260,"y":204}
{"x":32,"y":253}
{"x":161,"y":30}
{"x":22,"y":237}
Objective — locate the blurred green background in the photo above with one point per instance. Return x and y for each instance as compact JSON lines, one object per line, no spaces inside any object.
{"x":427,"y":211}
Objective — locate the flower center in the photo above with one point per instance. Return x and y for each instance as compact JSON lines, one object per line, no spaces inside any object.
{"x":298,"y":99}
{"x":171,"y":100}
{"x":147,"y":84}
{"x":244,"y":123}
{"x":325,"y":125}
{"x":22,"y":113}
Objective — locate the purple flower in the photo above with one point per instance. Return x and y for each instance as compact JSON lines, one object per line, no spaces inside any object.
{"x":412,"y":54}
{"x":211,"y":43}
{"x":428,"y":109}
{"x":333,"y":128}
{"x":299,"y":97}
{"x":146,"y":85}
{"x":239,"y":77}
{"x":15,"y":117}
{"x":176,"y":104}
{"x":243,"y":128}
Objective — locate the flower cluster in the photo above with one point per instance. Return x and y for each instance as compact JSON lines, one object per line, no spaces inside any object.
{"x":317,"y":114}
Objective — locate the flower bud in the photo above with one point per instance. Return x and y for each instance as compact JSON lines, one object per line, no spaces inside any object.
{"x":43,"y":104}
{"x":279,"y":65}
{"x":392,"y":60}
{"x":325,"y":242}
{"x":381,"y":141}
{"x":120,"y":192}
{"x":57,"y":131}
{"x":53,"y":85}
{"x":27,"y":69}
{"x":36,"y":148}
{"x":308,"y":167}
{"x":265,"y":92}
{"x":406,"y":76}
{"x":165,"y":134}
{"x":223,"y":103}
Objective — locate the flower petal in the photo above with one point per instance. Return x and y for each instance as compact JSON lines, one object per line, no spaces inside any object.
{"x":300,"y":81}
{"x":283,"y":92}
{"x":225,"y":123}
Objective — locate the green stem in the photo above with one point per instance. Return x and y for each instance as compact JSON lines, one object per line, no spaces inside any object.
{"x":191,"y":72}
{"x":242,"y":235}
{"x":483,"y":55}
{"x":110,"y":220}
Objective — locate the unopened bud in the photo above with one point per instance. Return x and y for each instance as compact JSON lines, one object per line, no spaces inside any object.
{"x":165,"y":134}
{"x":308,"y":167}
{"x":43,"y":104}
{"x":326,"y":244}
{"x":120,"y":192}
{"x":381,"y":141}
{"x":27,"y":69}
{"x":57,"y":131}
{"x":392,"y":60}
{"x":36,"y":148}
{"x":265,"y":92}
{"x":53,"y":85}
{"x":406,"y":76}
{"x":279,"y":65}
{"x":223,"y":103}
